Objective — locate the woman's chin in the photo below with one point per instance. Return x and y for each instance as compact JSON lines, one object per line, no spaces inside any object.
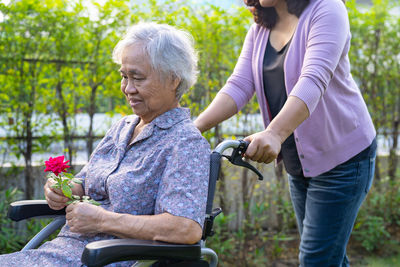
{"x":138,"y":111}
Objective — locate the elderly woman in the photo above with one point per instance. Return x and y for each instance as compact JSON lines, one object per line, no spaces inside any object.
{"x":140,"y":172}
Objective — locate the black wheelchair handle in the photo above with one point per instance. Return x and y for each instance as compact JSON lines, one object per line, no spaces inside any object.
{"x":236,"y":158}
{"x":229,"y":144}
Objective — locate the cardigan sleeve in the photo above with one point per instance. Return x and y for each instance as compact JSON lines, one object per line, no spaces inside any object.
{"x":327,"y":36}
{"x":240,"y":85}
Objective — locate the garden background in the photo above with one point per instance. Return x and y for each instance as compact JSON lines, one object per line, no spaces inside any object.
{"x":59,"y":92}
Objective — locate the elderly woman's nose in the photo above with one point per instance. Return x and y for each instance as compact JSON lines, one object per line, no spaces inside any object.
{"x":130,"y":88}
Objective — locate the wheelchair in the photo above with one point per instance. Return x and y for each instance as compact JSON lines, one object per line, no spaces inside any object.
{"x":144,"y":252}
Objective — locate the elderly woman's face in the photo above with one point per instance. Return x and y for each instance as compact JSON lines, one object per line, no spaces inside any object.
{"x":147,"y":95}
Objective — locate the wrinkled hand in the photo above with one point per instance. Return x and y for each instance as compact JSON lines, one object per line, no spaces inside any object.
{"x":84,"y":218}
{"x":54,"y":196}
{"x":264,"y":146}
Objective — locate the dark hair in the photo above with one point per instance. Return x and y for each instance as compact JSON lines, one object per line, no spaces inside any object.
{"x":267,"y":16}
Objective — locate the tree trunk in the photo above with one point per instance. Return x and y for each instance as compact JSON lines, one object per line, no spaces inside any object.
{"x":27,"y":150}
{"x":393,"y":154}
{"x":245,"y":200}
{"x":63,"y":113}
{"x":280,"y":192}
{"x":92,"y":111}
{"x":395,"y":136}
{"x":29,"y":183}
{"x":377,"y":173}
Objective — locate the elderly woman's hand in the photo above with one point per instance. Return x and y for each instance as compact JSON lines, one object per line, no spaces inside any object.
{"x":84,"y":218}
{"x":54,"y":196}
{"x":264,"y":146}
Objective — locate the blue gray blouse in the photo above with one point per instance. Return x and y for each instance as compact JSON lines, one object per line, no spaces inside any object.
{"x":164,"y":169}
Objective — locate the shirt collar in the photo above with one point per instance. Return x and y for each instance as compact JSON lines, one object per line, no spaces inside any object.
{"x":165,"y":120}
{"x":171,"y":117}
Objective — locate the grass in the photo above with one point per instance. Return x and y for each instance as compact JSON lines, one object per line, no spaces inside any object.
{"x":379,"y":262}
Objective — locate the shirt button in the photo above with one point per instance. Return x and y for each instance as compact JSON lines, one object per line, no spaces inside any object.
{"x":302,"y":156}
{"x":297,"y":139}
{"x":306,"y":170}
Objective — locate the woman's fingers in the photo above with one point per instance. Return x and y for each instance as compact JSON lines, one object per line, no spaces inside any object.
{"x":251,"y":148}
{"x":254,"y":150}
{"x":50,"y":182}
{"x":55,"y":204}
{"x":263,"y":147}
{"x":54,"y":196}
{"x":68,"y":212}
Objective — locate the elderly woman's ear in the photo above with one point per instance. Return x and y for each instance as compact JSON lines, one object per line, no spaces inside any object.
{"x":176,"y":81}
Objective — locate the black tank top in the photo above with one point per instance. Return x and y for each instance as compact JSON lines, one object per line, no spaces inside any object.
{"x":275,"y":93}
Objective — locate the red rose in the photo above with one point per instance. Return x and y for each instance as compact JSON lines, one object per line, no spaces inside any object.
{"x":56,"y":165}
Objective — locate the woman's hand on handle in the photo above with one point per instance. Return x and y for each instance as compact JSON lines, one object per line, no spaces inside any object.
{"x":264,"y":146}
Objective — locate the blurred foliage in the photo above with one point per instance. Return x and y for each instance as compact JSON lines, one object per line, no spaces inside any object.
{"x":14,"y":238}
{"x":10,"y":241}
{"x":375,"y":65}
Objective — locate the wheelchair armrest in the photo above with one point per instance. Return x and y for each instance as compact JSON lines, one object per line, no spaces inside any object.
{"x":103,"y":252}
{"x":25,"y":209}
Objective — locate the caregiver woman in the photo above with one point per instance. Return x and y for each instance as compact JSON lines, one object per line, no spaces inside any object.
{"x":295,"y":58}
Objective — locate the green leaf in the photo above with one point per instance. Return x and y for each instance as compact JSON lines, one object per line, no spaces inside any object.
{"x":68,"y":175}
{"x":56,"y":185}
{"x":66,"y":190}
{"x":72,"y":202}
{"x":77,"y":180}
{"x":94,"y":202}
{"x":51,"y":175}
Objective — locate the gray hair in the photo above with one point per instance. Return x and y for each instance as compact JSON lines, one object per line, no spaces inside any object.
{"x":170,"y":50}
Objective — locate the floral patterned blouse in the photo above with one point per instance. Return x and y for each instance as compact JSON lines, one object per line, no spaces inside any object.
{"x":164,"y":169}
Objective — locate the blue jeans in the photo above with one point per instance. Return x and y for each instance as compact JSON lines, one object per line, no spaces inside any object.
{"x":326,"y":208}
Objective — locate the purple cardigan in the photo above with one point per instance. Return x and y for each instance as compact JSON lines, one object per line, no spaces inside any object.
{"x":317,"y":70}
